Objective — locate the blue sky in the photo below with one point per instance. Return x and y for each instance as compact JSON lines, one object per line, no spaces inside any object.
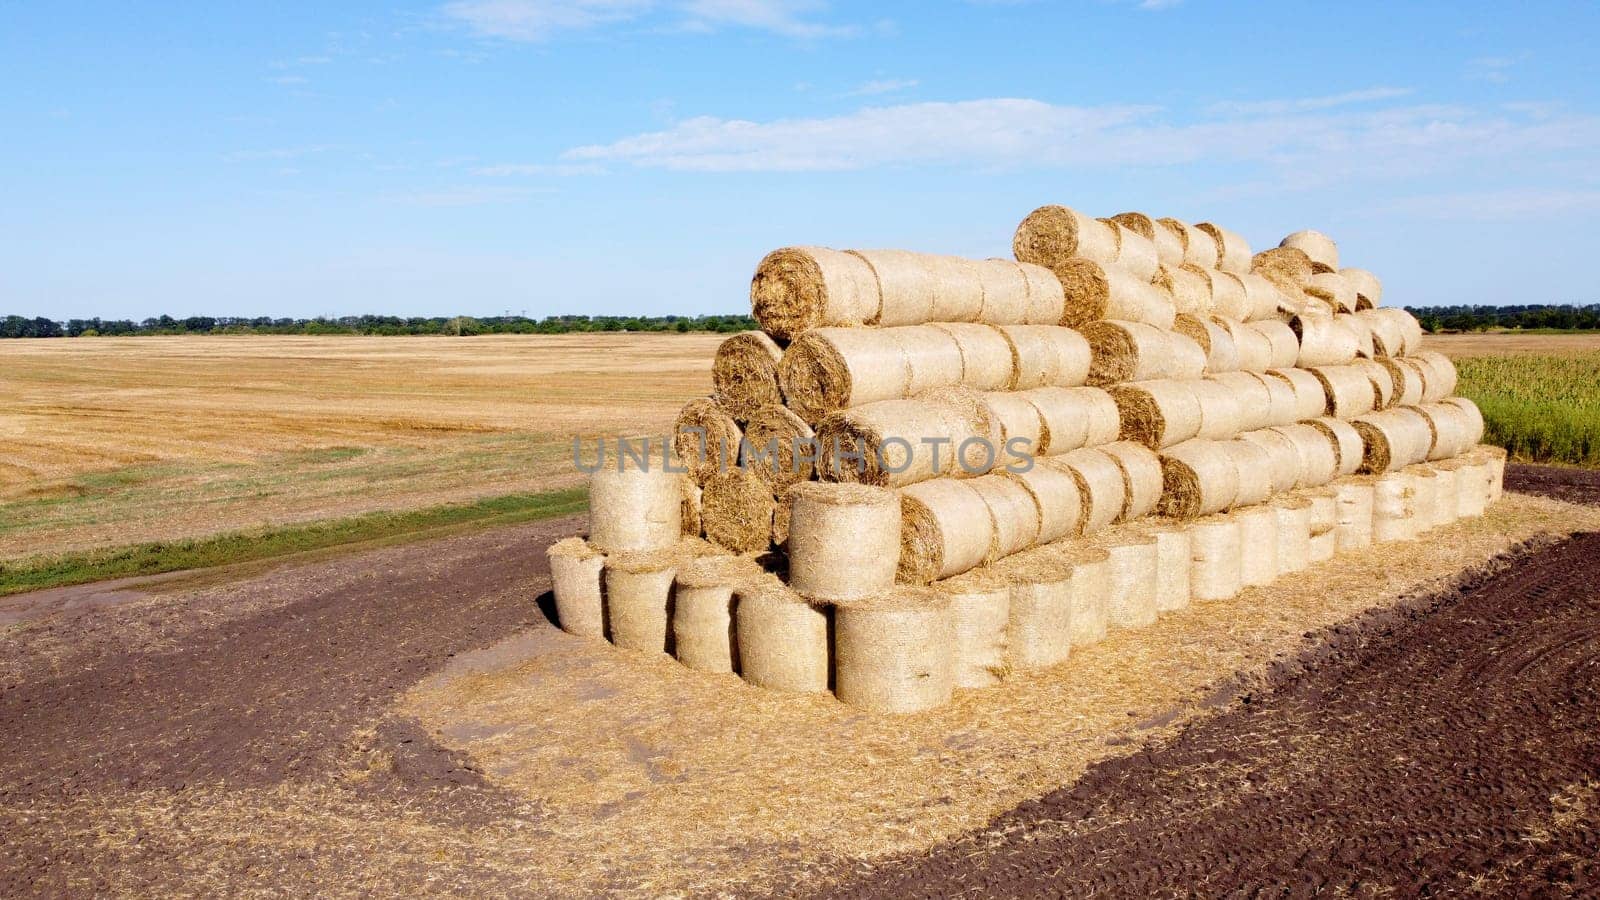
{"x":639,"y":156}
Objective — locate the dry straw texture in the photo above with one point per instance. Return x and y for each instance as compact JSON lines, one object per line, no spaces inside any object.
{"x":638,"y":600}
{"x":1284,"y":343}
{"x":1174,"y":559}
{"x":1021,"y":426}
{"x":1199,"y":247}
{"x":1122,"y":351}
{"x":1406,"y":374}
{"x":1310,"y":399}
{"x":1005,"y":291}
{"x":706,"y":439}
{"x":1047,"y":303}
{"x":1214,"y":340}
{"x":1045,"y":355}
{"x":980,"y":608}
{"x":1445,"y":492}
{"x":1157,"y":413}
{"x":1039,"y":630}
{"x":1438,"y":376}
{"x":1455,"y":429}
{"x":575,"y":578}
{"x":907,"y":286}
{"x":1474,"y":418}
{"x":1294,"y":534}
{"x":1096,"y":291}
{"x":1051,"y":235}
{"x":1254,"y":464}
{"x":1332,"y":289}
{"x":1347,"y":443}
{"x":1349,"y":391}
{"x":1324,"y":510}
{"x":1255,"y":398}
{"x":1056,"y":495}
{"x":831,"y":369}
{"x":1496,"y":458}
{"x":1074,"y":417}
{"x":1199,"y":478}
{"x":1388,"y":338}
{"x":1366,"y":347}
{"x":1476,"y":486}
{"x":986,"y":363}
{"x":1288,"y":268}
{"x":1258,"y":540}
{"x":702,"y":612}
{"x":736,"y":510}
{"x":1131,"y":565}
{"x":1382,"y":381}
{"x":1091,"y":579}
{"x":1324,"y":341}
{"x":1217,"y":545}
{"x":1394,"y":513}
{"x":958,"y":289}
{"x":932,"y":356}
{"x":1283,"y":458}
{"x":1410,"y":329}
{"x":1255,"y":349}
{"x":796,"y":289}
{"x":1141,"y":478}
{"x":1394,"y":439}
{"x":1233,"y":252}
{"x":744,"y":374}
{"x":945,"y":530}
{"x":1227,"y":293}
{"x":1369,"y":290}
{"x":1188,"y":289}
{"x":1100,"y":484}
{"x":894,"y":443}
{"x":1014,"y":511}
{"x":1319,"y":456}
{"x":635,"y":509}
{"x":1356,"y":498}
{"x":691,"y":507}
{"x":895,"y":654}
{"x":1135,"y":252}
{"x":1425,"y":487}
{"x":775,"y":433}
{"x":1266,"y":302}
{"x":1168,"y":243}
{"x":1221,"y":411}
{"x":1318,"y":247}
{"x":783,"y":640}
{"x":844,"y":541}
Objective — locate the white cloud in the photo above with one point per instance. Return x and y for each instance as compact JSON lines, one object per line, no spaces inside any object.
{"x":1158,"y":4}
{"x":515,"y":170}
{"x":537,"y":20}
{"x":882,"y":86}
{"x":1494,"y":69}
{"x":470,"y":195}
{"x":1307,"y":104}
{"x":1302,"y":149}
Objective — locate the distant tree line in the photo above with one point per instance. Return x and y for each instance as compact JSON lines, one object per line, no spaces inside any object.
{"x":20,"y":327}
{"x":1484,"y":318}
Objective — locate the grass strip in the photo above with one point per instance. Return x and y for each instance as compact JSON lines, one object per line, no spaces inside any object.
{"x":39,"y":572}
{"x":1540,"y":407}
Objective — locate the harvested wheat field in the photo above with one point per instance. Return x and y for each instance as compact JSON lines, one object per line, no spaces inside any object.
{"x":307,"y":729}
{"x":162,"y":438}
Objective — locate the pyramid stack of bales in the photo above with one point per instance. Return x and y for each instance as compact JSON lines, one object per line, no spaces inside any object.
{"x":929,"y":473}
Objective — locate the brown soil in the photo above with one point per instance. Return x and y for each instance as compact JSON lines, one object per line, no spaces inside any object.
{"x":1571,"y":485}
{"x":1443,"y":746}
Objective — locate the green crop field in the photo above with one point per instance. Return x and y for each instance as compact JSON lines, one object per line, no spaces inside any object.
{"x":1540,"y":407}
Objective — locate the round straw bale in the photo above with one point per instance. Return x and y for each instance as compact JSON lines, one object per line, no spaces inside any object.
{"x":1199,"y":477}
{"x":1455,"y":430}
{"x":945,"y":529}
{"x":1254,"y":464}
{"x":1021,"y":426}
{"x":736,"y":510}
{"x":1369,"y":290}
{"x":1294,"y":533}
{"x":1053,"y":234}
{"x":1324,"y":341}
{"x":1284,"y":403}
{"x":705,"y":438}
{"x":1349,"y":391}
{"x":1263,"y":298}
{"x":782,"y":513}
{"x":907,"y":286}
{"x":1218,"y":548}
{"x":1407,"y":325}
{"x":1474,"y":418}
{"x":691,"y":507}
{"x":1324,"y":512}
{"x":1406,"y":375}
{"x":1495,"y":457}
{"x":1332,"y":288}
{"x":1472,"y":486}
{"x":1425,"y":487}
{"x":1005,"y":291}
{"x":1318,"y":247}
{"x":1254,"y":347}
{"x":843,"y":540}
{"x":1347,"y":444}
{"x":1074,"y":417}
{"x":1226,"y":292}
{"x":1185,"y":359}
{"x":575,"y":576}
{"x":958,"y":289}
{"x":783,"y":639}
{"x":744,"y":374}
{"x":1168,"y":244}
{"x":785,"y":444}
{"x":1387,"y":338}
{"x":831,"y":369}
{"x":1100,"y":484}
{"x":986,"y":363}
{"x":1445,"y":500}
{"x":1199,"y":247}
{"x":1046,"y":355}
{"x":1047,"y":303}
{"x":1319,"y":456}
{"x":1438,"y":376}
{"x":1253,"y":397}
{"x":976,"y":440}
{"x":638,"y":599}
{"x":702,"y":612}
{"x":1090,"y":588}
{"x":1131,"y":564}
{"x":1072,"y":357}
{"x":1284,"y":344}
{"x":1039,"y":632}
{"x":895,"y":654}
{"x":1157,"y":413}
{"x":635,"y":509}
{"x":1283,"y":456}
{"x":1135,"y":252}
{"x":1394,"y":439}
{"x":932,"y":355}
{"x":1365,"y":346}
{"x":1095,"y":291}
{"x":1310,"y":399}
{"x":1394,"y":515}
{"x":980,"y":608}
{"x":1258,"y":540}
{"x":893,"y":443}
{"x":1355,"y":498}
{"x":1126,"y":351}
{"x":1383,"y":385}
{"x":1214,"y":340}
{"x":796,"y":289}
{"x":1014,"y":512}
{"x":1233,"y":252}
{"x":1221,"y":416}
{"x":1324,"y":546}
{"x":1141,"y":477}
{"x":1288,"y":268}
{"x":1174,"y":558}
{"x":1056,"y":495}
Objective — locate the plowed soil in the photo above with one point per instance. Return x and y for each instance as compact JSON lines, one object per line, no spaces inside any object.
{"x":1451,"y":746}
